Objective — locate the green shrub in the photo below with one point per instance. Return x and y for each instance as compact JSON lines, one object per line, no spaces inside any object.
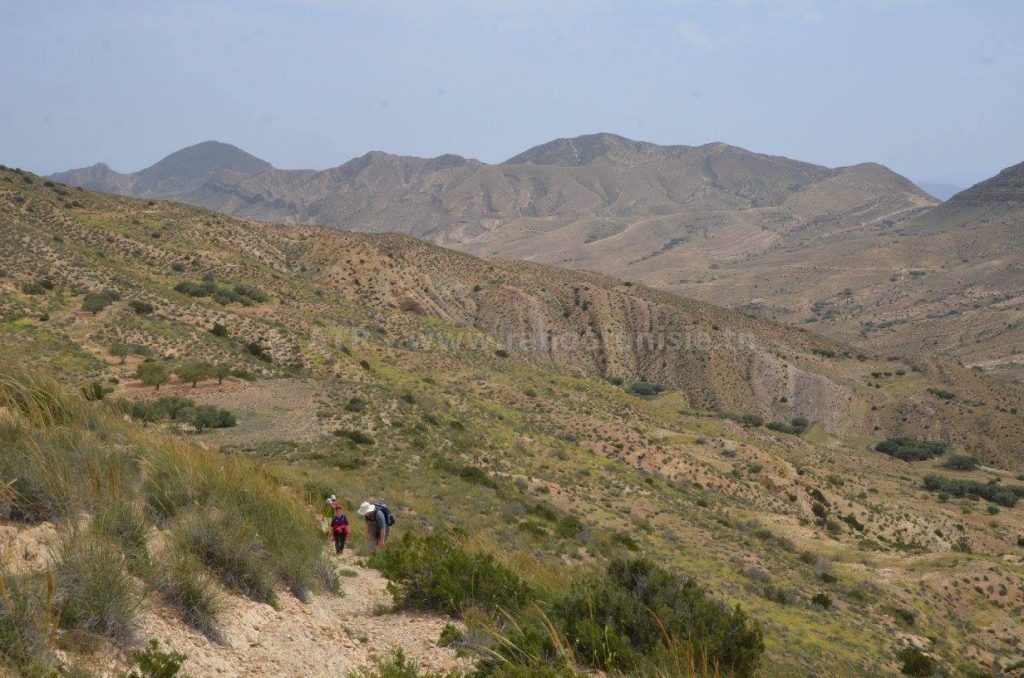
{"x":93,"y":590}
{"x":468,"y":473}
{"x":997,"y":493}
{"x":636,"y":610}
{"x":796,"y":426}
{"x":753,"y":420}
{"x":961,"y":462}
{"x":501,"y":353}
{"x":32,"y":288}
{"x":916,"y":663}
{"x":397,"y":666}
{"x":822,"y":600}
{"x":646,"y":389}
{"x":141,"y":307}
{"x":450,"y":635}
{"x":436,"y":572}
{"x":942,"y":394}
{"x":152,"y":662}
{"x":568,"y":527}
{"x":357,"y":437}
{"x":94,"y":302}
{"x":219,"y":330}
{"x":908,"y":449}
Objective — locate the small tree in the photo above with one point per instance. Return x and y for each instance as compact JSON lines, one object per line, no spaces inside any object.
{"x":220,"y":370}
{"x":152,"y":374}
{"x":121,"y":350}
{"x":194,"y":372}
{"x":94,"y":303}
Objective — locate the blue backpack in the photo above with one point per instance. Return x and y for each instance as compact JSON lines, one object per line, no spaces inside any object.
{"x":389,"y":517}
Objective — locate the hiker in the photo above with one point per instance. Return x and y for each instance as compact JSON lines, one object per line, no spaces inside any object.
{"x":329,"y":506}
{"x":379,"y":520}
{"x":339,"y":528}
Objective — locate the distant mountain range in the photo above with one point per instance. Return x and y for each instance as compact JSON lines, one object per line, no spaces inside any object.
{"x":773,"y":236}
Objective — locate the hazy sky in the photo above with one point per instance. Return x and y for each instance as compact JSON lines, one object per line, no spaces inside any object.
{"x":935,"y":90}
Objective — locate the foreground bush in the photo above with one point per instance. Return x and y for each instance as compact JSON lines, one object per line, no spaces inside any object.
{"x":638,"y":610}
{"x":435,"y":572}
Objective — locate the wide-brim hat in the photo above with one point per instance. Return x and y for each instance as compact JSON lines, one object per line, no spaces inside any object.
{"x":365,"y":507}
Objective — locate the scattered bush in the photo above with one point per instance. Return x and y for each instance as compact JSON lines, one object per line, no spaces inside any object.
{"x":908,"y":449}
{"x":141,"y":307}
{"x":997,"y":493}
{"x":357,"y":437}
{"x":152,"y":662}
{"x":646,"y":389}
{"x":916,"y":662}
{"x":796,"y":426}
{"x":94,"y":302}
{"x":961,"y":462}
{"x":822,"y":600}
{"x":219,"y":330}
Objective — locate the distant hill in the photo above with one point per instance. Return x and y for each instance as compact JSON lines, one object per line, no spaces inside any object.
{"x":177,"y":174}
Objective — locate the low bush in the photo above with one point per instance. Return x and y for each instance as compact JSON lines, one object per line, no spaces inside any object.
{"x":646,"y":388}
{"x":961,"y":462}
{"x":94,"y":302}
{"x":908,"y":449}
{"x":397,"y":666}
{"x":152,"y":662}
{"x":796,"y":426}
{"x":914,"y":662}
{"x":141,"y":307}
{"x":997,"y":493}
{"x":436,"y":572}
{"x":635,"y":618}
{"x":357,"y":437}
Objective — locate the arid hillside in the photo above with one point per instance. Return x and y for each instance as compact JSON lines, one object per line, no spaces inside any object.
{"x":561,"y":420}
{"x":948,"y":282}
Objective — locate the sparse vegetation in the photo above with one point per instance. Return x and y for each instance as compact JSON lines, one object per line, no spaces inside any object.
{"x":911,"y":450}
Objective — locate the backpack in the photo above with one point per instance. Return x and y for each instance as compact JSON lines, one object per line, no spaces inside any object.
{"x":389,"y":517}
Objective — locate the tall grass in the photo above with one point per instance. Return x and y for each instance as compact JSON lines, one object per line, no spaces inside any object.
{"x":189,"y":588}
{"x":27,"y":623}
{"x":93,"y":588}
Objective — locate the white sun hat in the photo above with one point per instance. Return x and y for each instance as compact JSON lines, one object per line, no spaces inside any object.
{"x":365,"y":507}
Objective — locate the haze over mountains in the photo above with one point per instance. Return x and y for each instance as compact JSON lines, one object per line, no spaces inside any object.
{"x":860,"y":251}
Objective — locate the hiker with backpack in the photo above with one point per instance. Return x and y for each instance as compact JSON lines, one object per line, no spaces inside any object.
{"x":339,"y":528}
{"x":379,"y":520}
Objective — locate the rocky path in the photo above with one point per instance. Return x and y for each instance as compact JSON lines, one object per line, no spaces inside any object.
{"x":329,"y":636}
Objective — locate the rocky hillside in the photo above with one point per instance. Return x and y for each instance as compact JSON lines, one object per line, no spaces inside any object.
{"x":562,"y":420}
{"x":719,"y":360}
